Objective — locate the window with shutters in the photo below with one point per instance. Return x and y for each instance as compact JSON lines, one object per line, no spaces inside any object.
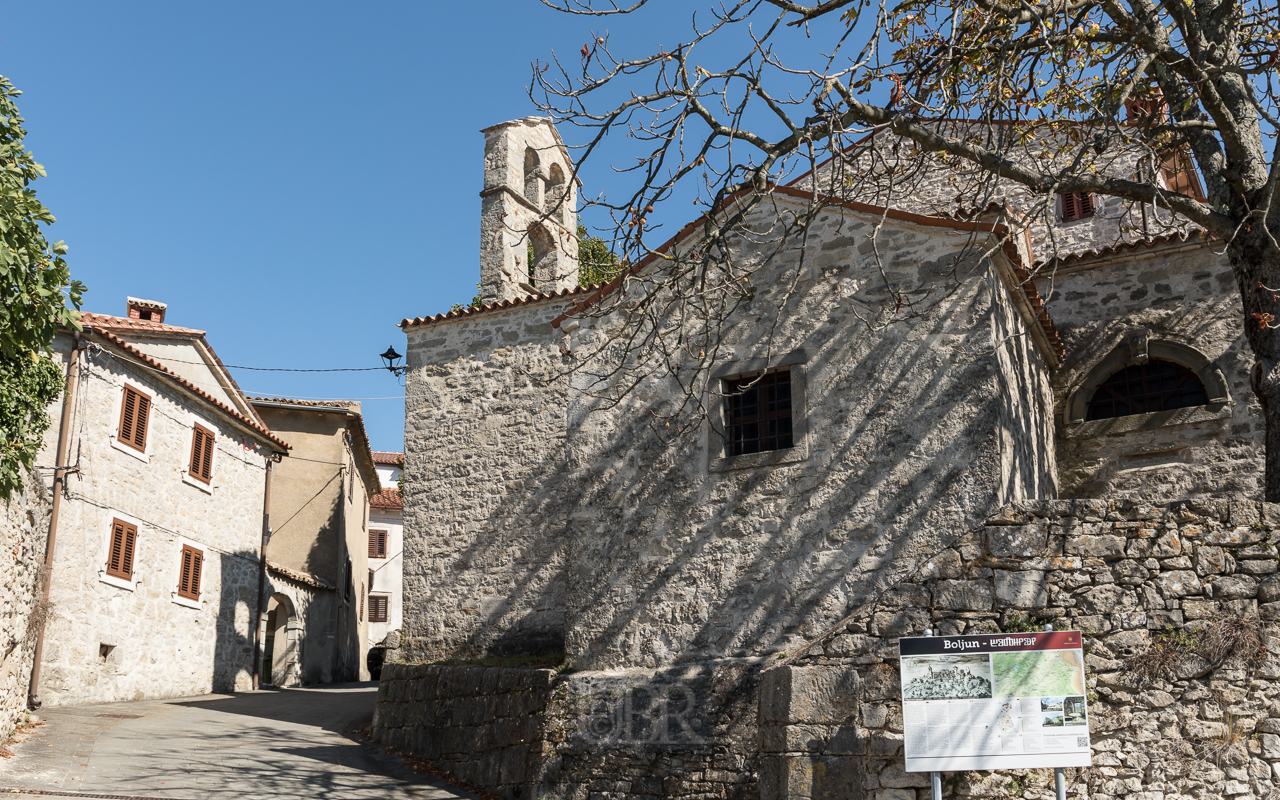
{"x":377,"y":543}
{"x":1076,"y":205}
{"x":189,"y":573}
{"x":135,"y":415}
{"x":379,"y":605}
{"x":124,"y":538}
{"x":201,"y":454}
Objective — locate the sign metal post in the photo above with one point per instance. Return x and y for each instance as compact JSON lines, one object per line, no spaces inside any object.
{"x":935,"y":778}
{"x":1059,"y":777}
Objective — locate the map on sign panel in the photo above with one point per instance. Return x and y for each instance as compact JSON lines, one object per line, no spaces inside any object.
{"x":1038,"y":673}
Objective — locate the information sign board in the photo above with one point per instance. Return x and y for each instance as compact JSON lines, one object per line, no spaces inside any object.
{"x":994,"y":701}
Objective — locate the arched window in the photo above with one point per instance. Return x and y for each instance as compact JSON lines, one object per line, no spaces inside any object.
{"x":555,"y":187}
{"x":542,"y":261}
{"x":531,"y":169}
{"x":1144,"y":388}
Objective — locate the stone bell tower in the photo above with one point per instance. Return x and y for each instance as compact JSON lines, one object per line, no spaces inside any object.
{"x":527,"y":198}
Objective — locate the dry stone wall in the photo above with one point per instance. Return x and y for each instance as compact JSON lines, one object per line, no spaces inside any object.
{"x":526,"y":733}
{"x":1178,"y":605}
{"x":24,"y":526}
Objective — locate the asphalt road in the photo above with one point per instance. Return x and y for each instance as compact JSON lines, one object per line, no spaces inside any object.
{"x":266,"y":745}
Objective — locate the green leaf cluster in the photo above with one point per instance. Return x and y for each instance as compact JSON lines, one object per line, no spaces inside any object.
{"x":597,"y":264}
{"x":39,"y":296}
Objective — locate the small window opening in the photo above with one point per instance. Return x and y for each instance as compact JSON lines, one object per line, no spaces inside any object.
{"x":531,"y":169}
{"x":104,"y":651}
{"x":1076,"y":205}
{"x":1146,"y":388}
{"x":541,"y":248}
{"x":758,"y":413}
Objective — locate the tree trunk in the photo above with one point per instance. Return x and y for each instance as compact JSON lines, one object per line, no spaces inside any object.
{"x":1256,"y":262}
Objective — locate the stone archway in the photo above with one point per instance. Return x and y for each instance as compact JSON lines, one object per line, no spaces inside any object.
{"x":283,"y":640}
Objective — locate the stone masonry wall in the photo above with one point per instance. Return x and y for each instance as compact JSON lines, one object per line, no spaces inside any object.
{"x":1183,"y":700}
{"x":905,"y":435}
{"x":526,"y":733}
{"x":24,"y":526}
{"x":1184,"y":294}
{"x":485,"y":507}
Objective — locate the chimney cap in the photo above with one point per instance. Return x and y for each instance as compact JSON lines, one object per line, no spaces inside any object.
{"x":138,"y":302}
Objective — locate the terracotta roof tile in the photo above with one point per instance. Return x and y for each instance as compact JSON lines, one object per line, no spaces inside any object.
{"x":305,"y":578}
{"x":387,"y":498}
{"x":108,"y":322}
{"x":387,"y":457}
{"x":1116,"y":249}
{"x":289,"y":401}
{"x":519,"y":301}
{"x":160,"y":368}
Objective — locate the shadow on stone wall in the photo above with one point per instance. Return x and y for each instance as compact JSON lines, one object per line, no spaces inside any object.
{"x":237,"y":607}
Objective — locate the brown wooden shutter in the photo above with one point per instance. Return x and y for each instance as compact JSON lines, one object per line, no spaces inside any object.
{"x":1076,"y":205}
{"x":189,"y":576}
{"x":201,"y":454}
{"x":377,"y":543}
{"x":135,"y":410}
{"x":378,"y":608}
{"x":120,"y":553}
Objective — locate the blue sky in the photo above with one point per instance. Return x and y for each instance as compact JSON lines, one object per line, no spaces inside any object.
{"x":294,"y":178}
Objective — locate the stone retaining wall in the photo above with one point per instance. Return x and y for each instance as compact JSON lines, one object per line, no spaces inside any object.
{"x":1171,"y":715}
{"x":24,"y":526}
{"x":1145,"y":584}
{"x":525,"y":734}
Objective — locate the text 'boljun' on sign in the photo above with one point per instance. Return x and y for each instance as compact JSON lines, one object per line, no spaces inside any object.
{"x":994,"y":701}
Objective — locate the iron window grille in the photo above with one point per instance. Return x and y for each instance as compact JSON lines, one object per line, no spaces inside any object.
{"x":758,"y":413}
{"x":1146,"y":388}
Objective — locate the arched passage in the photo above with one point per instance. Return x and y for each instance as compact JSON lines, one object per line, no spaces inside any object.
{"x":280,"y":650}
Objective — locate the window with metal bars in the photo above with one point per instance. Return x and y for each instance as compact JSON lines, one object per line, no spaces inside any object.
{"x":201,"y":454}
{"x":362,"y":601}
{"x":135,"y":412}
{"x":1076,"y":205}
{"x":758,"y":413}
{"x":189,"y":573}
{"x":1146,"y":388}
{"x":377,"y":543}
{"x":124,"y":538}
{"x":379,"y":605}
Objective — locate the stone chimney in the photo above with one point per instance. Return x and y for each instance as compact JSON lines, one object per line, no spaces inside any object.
{"x":149,"y":310}
{"x":527,"y":198}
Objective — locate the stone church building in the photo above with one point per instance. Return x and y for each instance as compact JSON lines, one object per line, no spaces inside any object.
{"x":546,"y":514}
{"x":909,"y":417}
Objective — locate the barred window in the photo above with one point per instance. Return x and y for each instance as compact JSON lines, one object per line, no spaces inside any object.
{"x":1145,"y":388}
{"x":758,"y":413}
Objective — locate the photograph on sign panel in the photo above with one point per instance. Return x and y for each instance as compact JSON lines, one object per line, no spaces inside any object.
{"x":1073,"y":710}
{"x":1052,"y":719}
{"x":945,"y":677}
{"x":1050,"y":703}
{"x":1036,"y":673}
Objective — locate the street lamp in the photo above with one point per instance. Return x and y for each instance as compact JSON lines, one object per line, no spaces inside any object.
{"x":390,"y":358}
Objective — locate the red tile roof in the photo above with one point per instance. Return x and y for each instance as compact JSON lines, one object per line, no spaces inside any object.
{"x":148,"y":361}
{"x":108,"y":322}
{"x":289,"y":401}
{"x":1197,"y":237}
{"x":387,"y":457}
{"x":519,"y":301}
{"x":387,"y":498}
